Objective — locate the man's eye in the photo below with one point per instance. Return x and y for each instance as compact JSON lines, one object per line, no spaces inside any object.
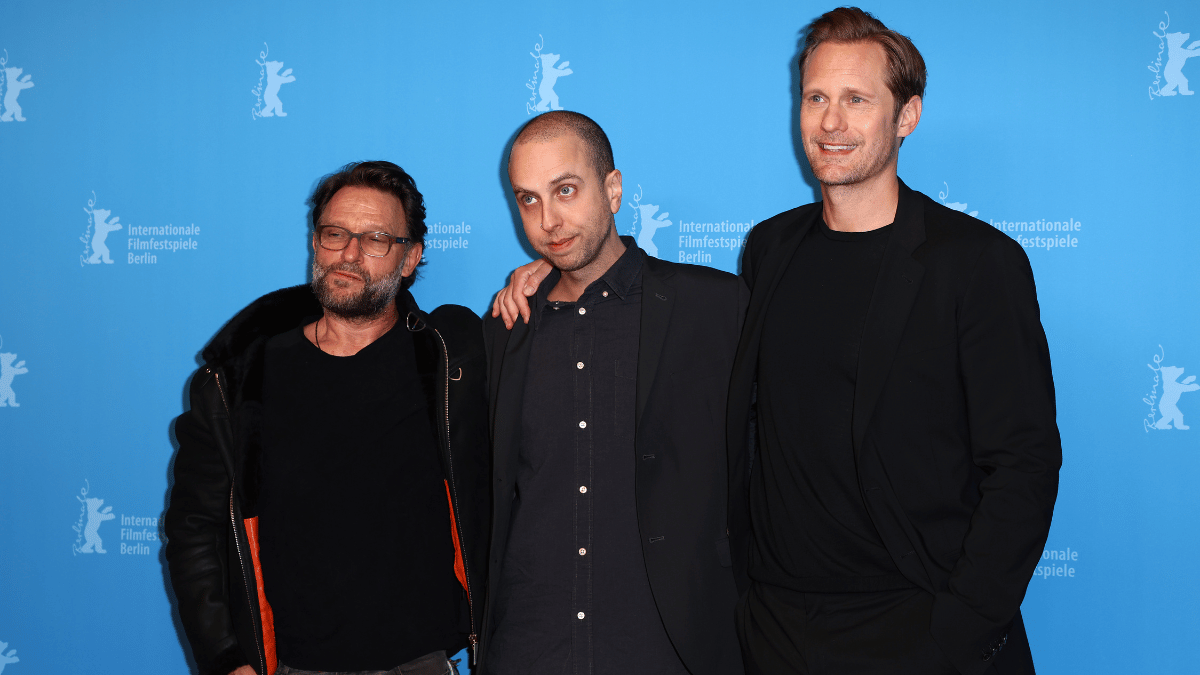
{"x":334,"y":234}
{"x":856,"y":99}
{"x":378,"y":236}
{"x":566,"y":190}
{"x":528,"y":199}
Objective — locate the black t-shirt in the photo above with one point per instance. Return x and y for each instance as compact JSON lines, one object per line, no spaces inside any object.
{"x":812,"y":531}
{"x":356,"y":550}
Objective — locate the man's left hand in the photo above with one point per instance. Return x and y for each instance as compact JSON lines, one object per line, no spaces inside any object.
{"x":513,"y":300}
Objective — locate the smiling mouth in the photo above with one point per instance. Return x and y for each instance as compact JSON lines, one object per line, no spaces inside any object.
{"x":830,"y":147}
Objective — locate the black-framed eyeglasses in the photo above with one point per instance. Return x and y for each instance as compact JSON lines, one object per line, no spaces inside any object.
{"x":374,"y":244}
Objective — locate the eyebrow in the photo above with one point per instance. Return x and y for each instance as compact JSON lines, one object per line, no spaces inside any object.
{"x":378,"y":227}
{"x":852,"y":91}
{"x":562,"y":177}
{"x":565,"y":177}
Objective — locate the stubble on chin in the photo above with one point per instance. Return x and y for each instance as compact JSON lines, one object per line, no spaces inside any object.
{"x":588,"y":250}
{"x":369,"y":302}
{"x":851,"y":170}
{"x":574,"y":260}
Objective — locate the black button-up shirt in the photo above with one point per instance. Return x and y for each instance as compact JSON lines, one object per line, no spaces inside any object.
{"x":573,"y":594}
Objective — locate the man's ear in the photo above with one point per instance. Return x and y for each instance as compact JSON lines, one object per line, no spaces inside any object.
{"x":412,"y":258}
{"x":910,"y":116}
{"x":612,"y":189}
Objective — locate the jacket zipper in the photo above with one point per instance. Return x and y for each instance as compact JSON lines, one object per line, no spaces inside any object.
{"x":236,"y":541}
{"x":474,"y":639}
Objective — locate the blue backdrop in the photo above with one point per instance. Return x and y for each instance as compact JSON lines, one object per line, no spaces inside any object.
{"x":155,"y":160}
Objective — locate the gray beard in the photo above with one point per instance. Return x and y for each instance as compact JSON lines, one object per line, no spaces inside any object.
{"x":373,"y":300}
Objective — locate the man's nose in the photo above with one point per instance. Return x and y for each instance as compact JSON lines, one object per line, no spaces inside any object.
{"x":551,"y":218}
{"x":833,"y":119}
{"x":353,"y":251}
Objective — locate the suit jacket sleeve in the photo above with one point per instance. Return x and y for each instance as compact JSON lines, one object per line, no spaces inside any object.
{"x":1014,"y":438}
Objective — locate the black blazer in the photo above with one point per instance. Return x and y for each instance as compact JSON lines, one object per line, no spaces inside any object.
{"x":690,"y":321}
{"x":954,"y":425}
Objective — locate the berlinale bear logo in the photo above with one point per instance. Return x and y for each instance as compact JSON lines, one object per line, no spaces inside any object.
{"x":1176,"y":56}
{"x":1164,"y":409}
{"x":91,"y":531}
{"x":95,"y":245}
{"x":13,"y":84}
{"x":645,"y":223}
{"x":1168,"y":78}
{"x":550,"y":75}
{"x":87,"y":528}
{"x":104,"y":226}
{"x":8,"y":372}
{"x":7,"y":658}
{"x":1168,"y":405}
{"x":269,"y":104}
{"x":545,"y":75}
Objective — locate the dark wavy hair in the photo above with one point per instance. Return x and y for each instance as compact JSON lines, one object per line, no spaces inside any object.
{"x":905,"y":75}
{"x":386,"y":178}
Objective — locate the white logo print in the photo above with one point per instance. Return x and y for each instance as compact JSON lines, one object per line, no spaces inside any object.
{"x":95,"y":248}
{"x":957,"y":206}
{"x":1164,"y":411}
{"x":268,"y":103}
{"x":1060,"y":563}
{"x":452,"y":236}
{"x":1172,"y":390}
{"x":696,"y":240}
{"x":13,"y":84}
{"x":1169,"y":79}
{"x":7,"y":658}
{"x":9,"y":371}
{"x":645,"y":224}
{"x":144,"y":244}
{"x":87,"y":528}
{"x":543,"y":96}
{"x":1048,"y":235}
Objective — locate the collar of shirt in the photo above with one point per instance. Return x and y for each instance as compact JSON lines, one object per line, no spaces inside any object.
{"x":620,"y":278}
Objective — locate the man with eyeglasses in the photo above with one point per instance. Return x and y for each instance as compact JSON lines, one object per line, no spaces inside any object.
{"x":330,"y":504}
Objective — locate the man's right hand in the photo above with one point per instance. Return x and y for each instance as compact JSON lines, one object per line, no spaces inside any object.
{"x":513,"y":300}
{"x":244,"y":670}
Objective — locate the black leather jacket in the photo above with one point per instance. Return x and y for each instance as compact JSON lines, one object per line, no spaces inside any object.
{"x":216,"y":470}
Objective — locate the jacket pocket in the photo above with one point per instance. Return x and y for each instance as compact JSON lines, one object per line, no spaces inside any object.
{"x":723,"y":554}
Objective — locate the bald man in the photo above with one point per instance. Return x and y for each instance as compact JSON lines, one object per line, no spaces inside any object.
{"x":610,"y":541}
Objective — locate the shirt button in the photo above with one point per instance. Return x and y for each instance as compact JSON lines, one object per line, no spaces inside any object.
{"x":583,"y":551}
{"x":604,"y":294}
{"x":582,"y":310}
{"x":582,"y":424}
{"x":579,"y":365}
{"x":580,"y":615}
{"x":583,"y":488}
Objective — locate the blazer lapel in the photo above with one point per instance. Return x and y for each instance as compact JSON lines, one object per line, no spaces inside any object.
{"x":772,"y":267}
{"x":767,"y":273}
{"x":896,"y":288}
{"x":658,"y":299}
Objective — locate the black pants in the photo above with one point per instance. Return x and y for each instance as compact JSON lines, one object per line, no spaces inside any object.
{"x":885,"y":632}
